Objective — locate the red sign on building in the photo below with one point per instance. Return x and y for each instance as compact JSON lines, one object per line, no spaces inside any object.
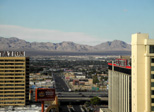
{"x":44,"y":94}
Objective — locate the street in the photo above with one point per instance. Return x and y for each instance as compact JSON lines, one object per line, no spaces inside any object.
{"x":60,"y":85}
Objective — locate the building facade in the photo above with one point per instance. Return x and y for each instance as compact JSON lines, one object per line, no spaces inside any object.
{"x":119,"y":94}
{"x":142,"y":73}
{"x":14,"y":81}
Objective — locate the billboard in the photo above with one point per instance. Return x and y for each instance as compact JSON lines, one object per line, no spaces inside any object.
{"x":44,"y":94}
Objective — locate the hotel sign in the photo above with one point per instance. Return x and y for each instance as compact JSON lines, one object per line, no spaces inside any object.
{"x":44,"y":94}
{"x":12,"y":53}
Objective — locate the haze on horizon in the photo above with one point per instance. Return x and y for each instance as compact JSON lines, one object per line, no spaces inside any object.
{"x":80,"y":21}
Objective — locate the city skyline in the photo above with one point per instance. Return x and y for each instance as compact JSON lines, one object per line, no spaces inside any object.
{"x":83,"y":22}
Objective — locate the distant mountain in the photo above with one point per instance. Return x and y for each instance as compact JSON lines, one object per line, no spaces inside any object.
{"x":14,"y":43}
{"x":115,"y":45}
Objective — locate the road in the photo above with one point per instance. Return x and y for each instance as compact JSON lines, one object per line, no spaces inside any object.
{"x":62,"y":88}
{"x":87,"y":94}
{"x":64,"y":95}
{"x":80,"y":98}
{"x":60,"y":85}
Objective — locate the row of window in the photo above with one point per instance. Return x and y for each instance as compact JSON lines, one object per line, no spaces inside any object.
{"x":11,"y":84}
{"x":12,"y":81}
{"x":11,"y":103}
{"x":11,"y":63}
{"x":152,"y":83}
{"x":12,"y":91}
{"x":152,"y":76}
{"x":12,"y":74}
{"x":11,"y":98}
{"x":3,"y":66}
{"x":12,"y":78}
{"x":11,"y":70}
{"x":11,"y":95}
{"x":11,"y":60}
{"x":10,"y":88}
{"x":12,"y":67}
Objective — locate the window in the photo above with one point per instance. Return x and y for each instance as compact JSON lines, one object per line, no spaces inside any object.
{"x":19,"y":85}
{"x":9,"y":92}
{"x":152,"y":60}
{"x":152,"y":92}
{"x":152,"y":108}
{"x":19,"y":60}
{"x":152,"y":76}
{"x":19,"y":77}
{"x":19,"y":95}
{"x":9,"y":60}
{"x":152,"y":68}
{"x":19,"y":63}
{"x":152,"y":84}
{"x":152,"y":49}
{"x":8,"y":88}
{"x":19,"y":91}
{"x":19,"y":88}
{"x":9,"y":63}
{"x":152,"y":100}
{"x":19,"y":70}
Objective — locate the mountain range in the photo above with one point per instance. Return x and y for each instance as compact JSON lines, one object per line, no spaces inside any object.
{"x":15,"y":44}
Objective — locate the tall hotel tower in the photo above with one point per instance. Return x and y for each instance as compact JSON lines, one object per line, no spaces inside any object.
{"x":142,"y":73}
{"x":119,"y":94}
{"x":14,"y":78}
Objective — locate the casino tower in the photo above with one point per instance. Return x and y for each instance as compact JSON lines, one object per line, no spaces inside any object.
{"x":14,"y":79}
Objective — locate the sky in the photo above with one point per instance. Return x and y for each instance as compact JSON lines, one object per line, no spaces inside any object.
{"x":88,"y":22}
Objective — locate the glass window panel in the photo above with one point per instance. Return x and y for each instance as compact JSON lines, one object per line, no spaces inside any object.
{"x":152,"y":76}
{"x":152,"y":108}
{"x":152,"y":68}
{"x":152,"y":84}
{"x":152,"y":49}
{"x":152,"y":60}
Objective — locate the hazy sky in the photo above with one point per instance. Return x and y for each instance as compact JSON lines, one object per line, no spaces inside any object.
{"x":82,"y":21}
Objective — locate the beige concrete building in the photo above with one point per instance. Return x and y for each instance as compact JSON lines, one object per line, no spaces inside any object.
{"x":14,"y":81}
{"x":119,"y":93}
{"x":142,"y":73}
{"x":81,"y":84}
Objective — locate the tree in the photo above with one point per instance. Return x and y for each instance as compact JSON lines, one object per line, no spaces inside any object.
{"x":87,"y":104}
{"x":95,"y":100}
{"x":95,"y":79}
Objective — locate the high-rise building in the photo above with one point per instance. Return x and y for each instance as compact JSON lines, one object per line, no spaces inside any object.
{"x":142,"y":73}
{"x":119,"y":94}
{"x":142,"y":78}
{"x":14,"y":78}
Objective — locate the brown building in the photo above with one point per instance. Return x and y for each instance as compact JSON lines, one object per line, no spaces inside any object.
{"x":14,"y":81}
